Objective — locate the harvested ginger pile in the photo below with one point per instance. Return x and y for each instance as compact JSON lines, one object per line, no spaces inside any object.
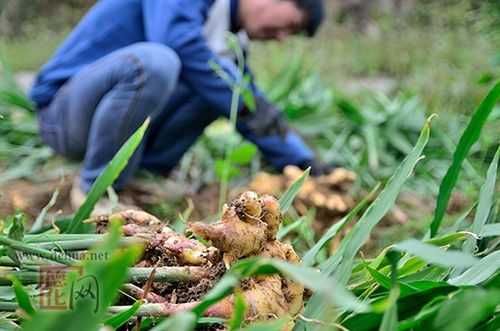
{"x":328,"y":194}
{"x":248,"y":227}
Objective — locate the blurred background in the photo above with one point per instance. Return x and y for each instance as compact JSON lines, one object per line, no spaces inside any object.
{"x":434,"y":48}
{"x":359,"y":93}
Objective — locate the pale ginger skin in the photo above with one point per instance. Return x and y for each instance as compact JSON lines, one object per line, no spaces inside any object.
{"x":140,"y":224}
{"x":241,"y":235}
{"x":248,"y":227}
{"x":327,"y":192}
{"x":232,"y":236}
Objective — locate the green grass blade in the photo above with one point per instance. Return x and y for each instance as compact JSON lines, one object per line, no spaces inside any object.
{"x":484,"y":206}
{"x":106,"y":179}
{"x":360,"y":233}
{"x":15,"y":98}
{"x":436,"y":255}
{"x":185,"y":321}
{"x":268,"y":326}
{"x":119,"y":319}
{"x":287,"y":229}
{"x":239,"y":310}
{"x":22,"y":297}
{"x":480,"y":272}
{"x":468,"y":138}
{"x":287,"y":198}
{"x":340,"y":264}
{"x":467,"y":308}
{"x":390,"y":318}
{"x":491,"y":230}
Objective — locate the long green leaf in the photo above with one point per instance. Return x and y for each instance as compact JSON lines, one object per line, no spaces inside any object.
{"x":239,"y":310}
{"x":106,"y":179}
{"x":22,"y":297}
{"x":485,"y":203}
{"x":464,"y":310}
{"x":185,"y":321}
{"x":390,"y":318}
{"x":340,"y":264}
{"x":14,"y":97}
{"x":121,"y":318}
{"x":267,"y":326}
{"x":287,"y":198}
{"x":436,"y":255}
{"x":491,"y":230}
{"x":479,"y":272}
{"x":468,"y":138}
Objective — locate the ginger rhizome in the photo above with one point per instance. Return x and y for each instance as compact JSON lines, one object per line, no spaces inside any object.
{"x":247,"y":228}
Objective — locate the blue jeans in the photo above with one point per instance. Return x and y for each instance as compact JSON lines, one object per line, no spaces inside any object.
{"x":97,"y":110}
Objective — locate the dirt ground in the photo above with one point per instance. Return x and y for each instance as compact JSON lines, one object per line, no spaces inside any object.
{"x":330,"y":201}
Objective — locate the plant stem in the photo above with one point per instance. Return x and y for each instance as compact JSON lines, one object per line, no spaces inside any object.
{"x":156,"y":309}
{"x":36,"y":251}
{"x":233,"y":117}
{"x":43,"y":238}
{"x":168,"y":274}
{"x":8,"y":306}
{"x":85,"y":243}
{"x":162,"y":274}
{"x":25,"y":277}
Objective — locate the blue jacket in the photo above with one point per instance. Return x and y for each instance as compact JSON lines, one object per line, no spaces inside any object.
{"x":114,"y":24}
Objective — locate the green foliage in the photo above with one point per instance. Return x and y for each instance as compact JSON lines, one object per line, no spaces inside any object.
{"x":240,"y":309}
{"x":435,"y":255}
{"x":106,"y":179}
{"x":239,"y":156}
{"x":21,"y":149}
{"x":121,"y":318}
{"x":16,"y":232}
{"x":341,"y":263}
{"x":485,"y":203}
{"x":287,"y":198}
{"x":109,"y":276}
{"x":469,"y":137}
{"x":22,"y":297}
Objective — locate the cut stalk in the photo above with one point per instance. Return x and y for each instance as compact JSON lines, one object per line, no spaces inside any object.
{"x":8,"y":306}
{"x":162,"y":274}
{"x":36,"y":251}
{"x":148,"y":309}
{"x":43,"y":238}
{"x":81,"y":244}
{"x":25,"y":277}
{"x":168,"y":274}
{"x":156,"y":309}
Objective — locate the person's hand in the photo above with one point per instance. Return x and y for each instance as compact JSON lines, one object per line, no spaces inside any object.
{"x":266,"y":120}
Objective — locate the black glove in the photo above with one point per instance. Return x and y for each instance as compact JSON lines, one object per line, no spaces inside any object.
{"x":266,"y":120}
{"x":318,"y":168}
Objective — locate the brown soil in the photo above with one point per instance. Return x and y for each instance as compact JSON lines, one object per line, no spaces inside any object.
{"x":30,"y":198}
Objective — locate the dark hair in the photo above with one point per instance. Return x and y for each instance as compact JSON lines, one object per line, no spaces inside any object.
{"x":315,"y":12}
